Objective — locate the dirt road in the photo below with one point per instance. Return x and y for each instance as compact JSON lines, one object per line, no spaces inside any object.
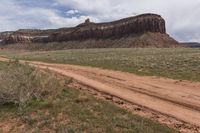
{"x":179,"y":99}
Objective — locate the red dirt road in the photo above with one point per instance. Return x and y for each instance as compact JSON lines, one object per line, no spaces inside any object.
{"x":178,"y":99}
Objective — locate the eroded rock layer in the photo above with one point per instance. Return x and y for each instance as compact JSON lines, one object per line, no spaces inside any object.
{"x":116,"y":30}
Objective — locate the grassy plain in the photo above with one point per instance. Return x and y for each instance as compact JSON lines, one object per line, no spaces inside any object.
{"x":180,"y":63}
{"x":65,"y":109}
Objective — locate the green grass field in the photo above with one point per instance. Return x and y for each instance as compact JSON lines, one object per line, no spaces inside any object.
{"x":67,"y":110}
{"x":180,"y":63}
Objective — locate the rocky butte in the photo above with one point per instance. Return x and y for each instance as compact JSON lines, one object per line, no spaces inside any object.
{"x":146,"y":30}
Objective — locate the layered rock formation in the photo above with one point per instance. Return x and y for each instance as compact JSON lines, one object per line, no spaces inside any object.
{"x":132,"y":27}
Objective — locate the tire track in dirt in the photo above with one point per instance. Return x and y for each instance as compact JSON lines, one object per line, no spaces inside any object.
{"x":172,"y":104}
{"x":180,"y":100}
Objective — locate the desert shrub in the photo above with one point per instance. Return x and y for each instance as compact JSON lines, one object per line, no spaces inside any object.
{"x":19,"y":84}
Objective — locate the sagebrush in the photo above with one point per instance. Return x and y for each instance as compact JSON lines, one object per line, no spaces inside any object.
{"x":20,"y":84}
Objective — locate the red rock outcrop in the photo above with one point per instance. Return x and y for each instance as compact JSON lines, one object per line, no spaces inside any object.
{"x":18,"y":39}
{"x":124,"y":28}
{"x":133,"y":25}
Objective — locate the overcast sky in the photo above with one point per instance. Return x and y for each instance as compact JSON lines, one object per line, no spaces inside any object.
{"x":182,"y":16}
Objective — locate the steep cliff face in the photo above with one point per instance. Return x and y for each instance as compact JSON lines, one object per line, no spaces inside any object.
{"x":4,"y":35}
{"x":133,"y":27}
{"x":18,"y":38}
{"x":11,"y":37}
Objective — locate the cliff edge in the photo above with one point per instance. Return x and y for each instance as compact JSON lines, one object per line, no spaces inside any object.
{"x":146,"y":30}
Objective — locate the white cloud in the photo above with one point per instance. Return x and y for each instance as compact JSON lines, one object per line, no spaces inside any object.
{"x":13,"y":17}
{"x":72,"y":12}
{"x":182,"y":16}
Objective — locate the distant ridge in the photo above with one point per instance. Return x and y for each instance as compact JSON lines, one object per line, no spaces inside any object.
{"x":191,"y":44}
{"x":146,"y":30}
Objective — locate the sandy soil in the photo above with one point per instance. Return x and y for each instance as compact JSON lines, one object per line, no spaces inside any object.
{"x":174,"y":98}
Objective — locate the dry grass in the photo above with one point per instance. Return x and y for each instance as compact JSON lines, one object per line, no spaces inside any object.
{"x":180,"y":63}
{"x":51,"y":106}
{"x":21,"y":83}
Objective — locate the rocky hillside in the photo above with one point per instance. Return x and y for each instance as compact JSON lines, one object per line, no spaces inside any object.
{"x":146,"y":30}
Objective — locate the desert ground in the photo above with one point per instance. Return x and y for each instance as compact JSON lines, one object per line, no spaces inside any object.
{"x":162,"y":83}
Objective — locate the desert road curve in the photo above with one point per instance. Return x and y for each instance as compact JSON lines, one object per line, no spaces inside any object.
{"x":178,"y":99}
